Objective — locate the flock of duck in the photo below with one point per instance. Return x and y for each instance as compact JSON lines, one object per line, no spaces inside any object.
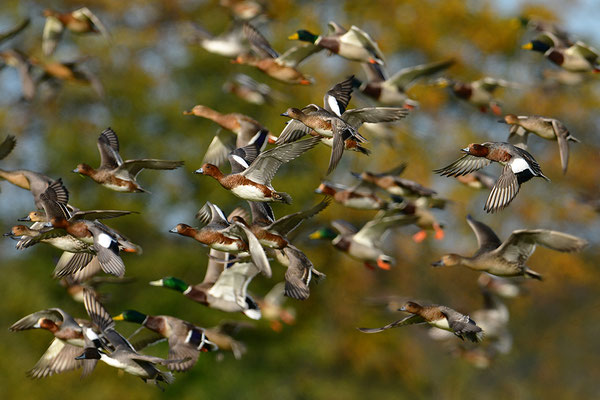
{"x":242,"y":244}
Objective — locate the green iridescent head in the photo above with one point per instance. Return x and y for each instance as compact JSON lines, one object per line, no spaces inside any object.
{"x":171,"y":283}
{"x":324,"y":233}
{"x":304,"y":36}
{"x":131,"y":316}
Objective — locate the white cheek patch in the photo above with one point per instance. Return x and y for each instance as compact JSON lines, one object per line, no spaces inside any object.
{"x":519,"y":165}
{"x":334,"y":105}
{"x":240,"y":160}
{"x":104,"y":240}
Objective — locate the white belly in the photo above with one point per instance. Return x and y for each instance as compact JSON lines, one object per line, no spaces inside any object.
{"x":249,"y":192}
{"x":116,"y":188}
{"x":362,"y":203}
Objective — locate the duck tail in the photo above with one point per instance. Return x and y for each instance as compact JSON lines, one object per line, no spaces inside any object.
{"x":529,"y":273}
{"x":363,"y":150}
{"x":167,"y":377}
{"x":544,"y":176}
{"x":282,"y":197}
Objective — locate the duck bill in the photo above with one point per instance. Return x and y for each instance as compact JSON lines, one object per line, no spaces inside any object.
{"x":294,"y":36}
{"x":81,"y":357}
{"x":173,"y":230}
{"x":156,"y":283}
{"x":75,"y":171}
{"x":466,"y":150}
{"x":501,"y":121}
{"x":199,"y":171}
{"x":285,"y":114}
{"x":439,"y":263}
{"x":26,"y":219}
{"x":8,"y":234}
{"x":314,"y":235}
{"x":119,"y":317}
{"x":527,"y":46}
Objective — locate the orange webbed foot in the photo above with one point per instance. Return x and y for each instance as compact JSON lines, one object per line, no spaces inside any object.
{"x":419,"y":236}
{"x":384,"y":265}
{"x":439,"y":232}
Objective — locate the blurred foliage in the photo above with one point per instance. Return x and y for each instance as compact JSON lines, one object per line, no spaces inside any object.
{"x":152,"y":72}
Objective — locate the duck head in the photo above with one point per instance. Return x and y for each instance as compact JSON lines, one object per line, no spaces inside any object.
{"x":304,"y":36}
{"x":131,"y":316}
{"x":89,"y":353}
{"x":324,"y":233}
{"x":326,"y":188}
{"x":411,"y":307}
{"x":536,"y":45}
{"x":510,"y":119}
{"x":83,"y":169}
{"x":293,"y":113}
{"x":448,"y":260}
{"x":478,"y":150}
{"x":182,"y":229}
{"x":210,"y":170}
{"x":35,"y":216}
{"x":171,"y":283}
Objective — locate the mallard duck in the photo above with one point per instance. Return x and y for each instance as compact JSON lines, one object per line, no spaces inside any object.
{"x":185,"y":339}
{"x":391,"y":91}
{"x":365,"y":244}
{"x":574,"y":57}
{"x":121,"y":354}
{"x":354,"y":44}
{"x":281,"y":67}
{"x":224,"y":289}
{"x":479,"y":93}
{"x":508,"y":258}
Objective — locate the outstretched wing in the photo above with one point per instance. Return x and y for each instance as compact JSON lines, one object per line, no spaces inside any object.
{"x":463,"y":166}
{"x":264,"y":168}
{"x":258,"y":42}
{"x":521,"y":243}
{"x":410,"y":320}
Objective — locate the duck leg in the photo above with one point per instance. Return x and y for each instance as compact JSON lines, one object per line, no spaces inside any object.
{"x":439,"y":232}
{"x":419,"y":236}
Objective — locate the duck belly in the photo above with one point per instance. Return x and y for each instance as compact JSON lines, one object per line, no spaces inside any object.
{"x":363,"y":203}
{"x":69,"y":243}
{"x":117,"y":188}
{"x":441,"y":324}
{"x":250,"y":192}
{"x":364,"y":253}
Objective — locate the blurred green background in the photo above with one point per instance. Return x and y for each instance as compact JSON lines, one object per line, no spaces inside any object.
{"x":152,"y":72}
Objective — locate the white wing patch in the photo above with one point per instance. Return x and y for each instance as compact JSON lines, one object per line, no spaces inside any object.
{"x":520,"y":165}
{"x":334,"y":105}
{"x":240,"y":160}
{"x":104,"y":240}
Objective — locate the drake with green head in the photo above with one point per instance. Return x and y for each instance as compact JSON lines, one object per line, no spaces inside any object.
{"x":222,"y":288}
{"x":186,"y":340}
{"x":354,"y":44}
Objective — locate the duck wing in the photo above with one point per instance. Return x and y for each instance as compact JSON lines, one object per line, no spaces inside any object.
{"x":219,"y":148}
{"x":85,"y":13}
{"x":406,"y":76}
{"x":521,"y":243}
{"x":370,"y":234}
{"x":562,"y":136}
{"x":133,"y":167}
{"x":53,"y":30}
{"x":298,"y":274}
{"x":7,"y":145}
{"x":358,"y":116}
{"x":54,"y":200}
{"x":345,"y":228}
{"x":463,"y":166}
{"x":54,"y":314}
{"x":99,"y":214}
{"x":264,"y":168}
{"x":293,"y":131}
{"x":106,"y":246}
{"x":585,"y":51}
{"x":262,"y":213}
{"x":285,"y":225}
{"x":295,"y":55}
{"x":504,"y":191}
{"x":258,"y":42}
{"x":361,"y":38}
{"x":233,"y":283}
{"x":59,"y":357}
{"x":517,"y":136}
{"x":462,"y":325}
{"x":216,"y":263}
{"x":108,"y":146}
{"x":337,"y":98}
{"x":6,"y":35}
{"x":410,"y":320}
{"x":486,"y":238}
{"x":242,"y":157}
{"x":257,"y":253}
